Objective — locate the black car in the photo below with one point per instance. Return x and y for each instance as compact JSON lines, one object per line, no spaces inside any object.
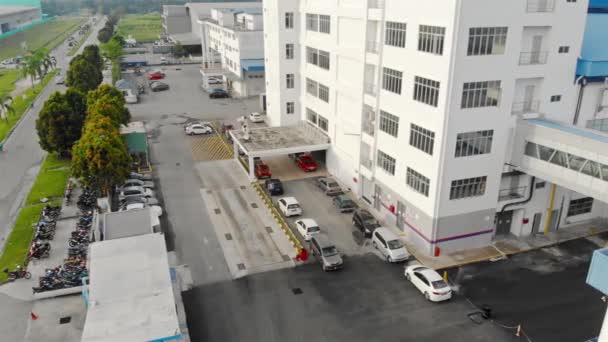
{"x":274,"y":186}
{"x":365,"y":221}
{"x":219,"y":94}
{"x":344,"y":204}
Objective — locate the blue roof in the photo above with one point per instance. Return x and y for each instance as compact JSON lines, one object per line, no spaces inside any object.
{"x":252,"y":64}
{"x":594,"y":54}
{"x":564,"y":127}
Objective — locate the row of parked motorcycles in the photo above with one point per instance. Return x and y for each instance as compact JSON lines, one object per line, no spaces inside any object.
{"x":71,"y":272}
{"x":45,"y":231}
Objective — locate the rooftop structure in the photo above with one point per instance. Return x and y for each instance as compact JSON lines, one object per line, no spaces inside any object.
{"x":130,"y":296}
{"x":117,"y":225}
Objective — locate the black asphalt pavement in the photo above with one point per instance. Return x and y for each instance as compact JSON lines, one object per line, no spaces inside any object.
{"x":369,"y":300}
{"x":543,"y":290}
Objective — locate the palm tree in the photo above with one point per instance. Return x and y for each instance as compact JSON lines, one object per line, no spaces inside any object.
{"x":48,"y":62}
{"x":6,"y":107}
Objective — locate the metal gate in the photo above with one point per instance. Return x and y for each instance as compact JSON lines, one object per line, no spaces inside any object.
{"x":503,"y":223}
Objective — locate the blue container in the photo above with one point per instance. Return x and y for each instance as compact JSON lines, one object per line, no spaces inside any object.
{"x":598,"y":270}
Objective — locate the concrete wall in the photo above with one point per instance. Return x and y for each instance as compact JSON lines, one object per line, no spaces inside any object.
{"x":12,"y":21}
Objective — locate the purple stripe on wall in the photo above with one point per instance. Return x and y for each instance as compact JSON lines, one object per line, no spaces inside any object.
{"x":451,"y":238}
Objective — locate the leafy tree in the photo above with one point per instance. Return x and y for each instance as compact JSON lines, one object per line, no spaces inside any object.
{"x":105,"y":90}
{"x":104,"y":35}
{"x":6,"y":107}
{"x":110,"y":107}
{"x":100,"y":158}
{"x":91,"y":54}
{"x":112,"y":50}
{"x":48,"y":63}
{"x":119,"y":38}
{"x":60,"y":122}
{"x":178,"y":50}
{"x":34,"y":64}
{"x":83,"y":74}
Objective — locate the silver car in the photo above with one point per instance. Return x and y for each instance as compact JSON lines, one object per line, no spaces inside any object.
{"x":138,"y":182}
{"x":329,"y":186}
{"x":134,"y":191}
{"x":327,"y":253}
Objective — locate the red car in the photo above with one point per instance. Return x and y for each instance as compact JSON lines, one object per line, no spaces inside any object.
{"x":306,"y":163}
{"x":156,"y":76}
{"x":262,"y":170}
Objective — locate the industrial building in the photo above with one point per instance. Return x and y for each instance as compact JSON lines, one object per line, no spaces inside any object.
{"x":16,"y":17}
{"x":457,"y":121}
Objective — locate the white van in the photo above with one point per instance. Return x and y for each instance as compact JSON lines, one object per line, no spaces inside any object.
{"x":390,"y":245}
{"x":129,"y":96}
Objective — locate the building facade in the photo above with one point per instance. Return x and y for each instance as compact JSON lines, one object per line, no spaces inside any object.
{"x":422,"y":102}
{"x":234,"y":50}
{"x":15,"y":17}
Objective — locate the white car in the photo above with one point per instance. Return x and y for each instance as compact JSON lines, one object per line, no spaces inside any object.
{"x":289,"y":206}
{"x":256,"y":117}
{"x":60,"y":80}
{"x":390,"y":245}
{"x":214,"y":80}
{"x":196,"y":129}
{"x":137,"y":182}
{"x":135,"y":191}
{"x":429,"y":282}
{"x":308,"y":228}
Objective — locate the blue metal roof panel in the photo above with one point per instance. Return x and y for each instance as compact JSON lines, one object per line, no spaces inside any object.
{"x":252,"y":64}
{"x":582,"y":132}
{"x":594,"y":54}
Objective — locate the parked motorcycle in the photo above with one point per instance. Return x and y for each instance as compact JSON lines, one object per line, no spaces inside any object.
{"x":18,"y":273}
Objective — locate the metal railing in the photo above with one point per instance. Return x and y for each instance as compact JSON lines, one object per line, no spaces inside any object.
{"x":375,"y":3}
{"x":540,"y":6}
{"x":525,"y":107}
{"x":372,"y":46}
{"x":368,"y":127}
{"x":533,"y":57}
{"x":370,"y":89}
{"x":512,"y":193}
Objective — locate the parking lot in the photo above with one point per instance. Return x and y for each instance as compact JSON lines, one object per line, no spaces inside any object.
{"x":369,"y":300}
{"x":335,"y":225}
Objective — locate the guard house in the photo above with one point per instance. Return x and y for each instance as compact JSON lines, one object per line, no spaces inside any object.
{"x":598,"y":278}
{"x":137,"y":143}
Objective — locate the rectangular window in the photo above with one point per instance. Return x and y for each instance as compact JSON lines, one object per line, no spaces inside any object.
{"x":319,"y":58}
{"x":474,"y":143}
{"x":426,"y":91}
{"x":323,"y":123}
{"x":324,"y":93}
{"x":556,"y":98}
{"x":291,"y":107}
{"x":563,"y":49}
{"x":389,"y":123}
{"x":312,"y":22}
{"x":487,"y":41}
{"x":311,"y":115}
{"x":430,"y":39}
{"x":395,"y":34}
{"x":386,"y":162}
{"x":289,"y":52}
{"x":324,"y":24}
{"x":417,"y":182}
{"x":291,"y":81}
{"x":289,"y":20}
{"x":422,"y":138}
{"x":468,"y":187}
{"x":392,"y":80}
{"x":580,"y":206}
{"x":312,"y":87}
{"x":480,"y":94}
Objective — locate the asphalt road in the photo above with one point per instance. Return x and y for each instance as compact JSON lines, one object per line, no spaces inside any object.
{"x":368,"y":300}
{"x":543,"y":290}
{"x":187,"y":225}
{"x":19,"y":165}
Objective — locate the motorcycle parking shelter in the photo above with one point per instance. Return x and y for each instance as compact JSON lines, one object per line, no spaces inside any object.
{"x":277,"y":141}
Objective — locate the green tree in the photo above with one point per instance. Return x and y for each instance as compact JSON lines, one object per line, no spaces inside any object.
{"x":110,"y":107}
{"x":6,"y":107}
{"x":83,"y":75}
{"x":178,"y":50}
{"x":100,"y":158}
{"x":104,"y":35}
{"x":91,"y":53}
{"x":119,"y":38}
{"x":33,"y":64}
{"x":112,"y":50}
{"x":60,"y":122}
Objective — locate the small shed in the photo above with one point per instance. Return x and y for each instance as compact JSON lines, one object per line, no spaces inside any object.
{"x":137,"y":144}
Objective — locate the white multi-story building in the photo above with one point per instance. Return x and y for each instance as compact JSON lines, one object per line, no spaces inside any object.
{"x":15,"y":17}
{"x":233,"y":43}
{"x":452,"y":119}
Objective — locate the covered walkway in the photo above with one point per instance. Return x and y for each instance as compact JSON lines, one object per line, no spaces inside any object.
{"x":569,"y":156}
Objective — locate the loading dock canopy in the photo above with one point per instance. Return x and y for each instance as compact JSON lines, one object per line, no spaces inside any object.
{"x":273,"y":141}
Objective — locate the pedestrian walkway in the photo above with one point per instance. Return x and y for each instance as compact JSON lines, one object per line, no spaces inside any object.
{"x":251,"y":239}
{"x":506,"y":246}
{"x":210,"y":147}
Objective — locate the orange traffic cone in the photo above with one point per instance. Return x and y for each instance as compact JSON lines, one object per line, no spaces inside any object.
{"x":33,"y":316}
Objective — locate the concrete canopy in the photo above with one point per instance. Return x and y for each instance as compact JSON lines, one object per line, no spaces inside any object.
{"x":274,"y":141}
